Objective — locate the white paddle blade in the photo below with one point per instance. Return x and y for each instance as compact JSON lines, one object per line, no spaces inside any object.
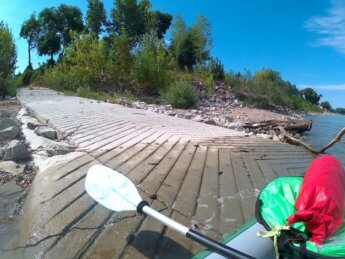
{"x":111,"y":189}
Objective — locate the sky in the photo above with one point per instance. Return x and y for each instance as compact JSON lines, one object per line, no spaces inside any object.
{"x":303,"y":40}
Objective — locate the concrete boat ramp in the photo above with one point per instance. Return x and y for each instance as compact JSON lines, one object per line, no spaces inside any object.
{"x":204,"y":176}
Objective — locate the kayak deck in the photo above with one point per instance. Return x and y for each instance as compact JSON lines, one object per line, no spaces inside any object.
{"x":246,"y":241}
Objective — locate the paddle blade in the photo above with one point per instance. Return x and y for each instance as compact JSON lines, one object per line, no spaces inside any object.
{"x":111,"y":189}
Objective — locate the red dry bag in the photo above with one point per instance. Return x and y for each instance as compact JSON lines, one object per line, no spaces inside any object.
{"x":320,"y":201}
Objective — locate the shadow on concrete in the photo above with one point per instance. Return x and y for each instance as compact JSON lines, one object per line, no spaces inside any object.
{"x":146,"y":242}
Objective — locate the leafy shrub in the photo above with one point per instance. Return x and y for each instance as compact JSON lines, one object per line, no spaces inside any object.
{"x":63,"y":78}
{"x":152,"y":64}
{"x":217,"y":69}
{"x":25,"y":78}
{"x":85,"y":62}
{"x":82,"y":67}
{"x":8,"y":52}
{"x":180,"y":95}
{"x":204,"y":74}
{"x":86,"y":92}
{"x":190,"y":45}
{"x":8,"y":86}
{"x":120,"y":59}
{"x":340,"y":110}
{"x":257,"y":101}
{"x":267,"y":89}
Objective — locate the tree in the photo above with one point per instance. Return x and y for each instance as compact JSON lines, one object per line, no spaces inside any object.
{"x":70,"y":19}
{"x":137,"y":19}
{"x":30,"y":32}
{"x":8,"y":59}
{"x":157,"y":21}
{"x":340,"y":110}
{"x":56,"y":25}
{"x":95,"y":17}
{"x":191,"y":45}
{"x":49,"y":40}
{"x":152,"y":63}
{"x":8,"y":53}
{"x":121,"y":59}
{"x":127,"y":16}
{"x":326,"y":105}
{"x":179,"y":35}
{"x":201,"y":38}
{"x":311,"y":96}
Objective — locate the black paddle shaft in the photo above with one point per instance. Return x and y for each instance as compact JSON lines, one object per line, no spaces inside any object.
{"x":219,"y":248}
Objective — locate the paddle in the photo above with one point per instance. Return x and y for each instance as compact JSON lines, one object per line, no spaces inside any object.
{"x":116,"y":192}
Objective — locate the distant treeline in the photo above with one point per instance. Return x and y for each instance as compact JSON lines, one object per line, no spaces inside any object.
{"x":125,"y":52}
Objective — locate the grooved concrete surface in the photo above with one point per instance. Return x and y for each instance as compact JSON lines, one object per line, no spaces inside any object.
{"x":204,"y":176}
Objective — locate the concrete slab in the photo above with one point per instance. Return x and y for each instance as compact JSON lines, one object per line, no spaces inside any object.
{"x":204,"y":176}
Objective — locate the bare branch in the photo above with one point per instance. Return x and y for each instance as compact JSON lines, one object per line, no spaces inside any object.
{"x":70,"y":133}
{"x":309,"y":147}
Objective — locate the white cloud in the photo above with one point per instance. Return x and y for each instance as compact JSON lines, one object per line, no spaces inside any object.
{"x":330,"y":87}
{"x":331,"y":27}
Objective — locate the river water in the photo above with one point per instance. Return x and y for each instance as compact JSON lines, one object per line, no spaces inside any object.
{"x":325,"y":128}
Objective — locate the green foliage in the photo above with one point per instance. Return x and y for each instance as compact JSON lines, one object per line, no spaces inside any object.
{"x":30,"y":32}
{"x":86,"y":92}
{"x":55,"y":25}
{"x":326,"y":105}
{"x":25,"y":78}
{"x":191,"y":45}
{"x":8,"y":86}
{"x":49,"y":41}
{"x":120,"y":59}
{"x":152,"y":64}
{"x":311,"y":96}
{"x":8,"y":59}
{"x":266,"y":89}
{"x":201,"y":37}
{"x":83,"y":65}
{"x":205,"y":75}
{"x":266,"y":76}
{"x":70,"y":19}
{"x":216,"y":68}
{"x":180,"y":95}
{"x":160,"y":22}
{"x":91,"y":63}
{"x":95,"y":17}
{"x":340,"y":110}
{"x":137,"y":19}
{"x":8,"y":53}
{"x":29,"y":76}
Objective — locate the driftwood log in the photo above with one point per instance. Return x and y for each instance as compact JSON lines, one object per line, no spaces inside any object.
{"x":337,"y":138}
{"x":292,"y":126}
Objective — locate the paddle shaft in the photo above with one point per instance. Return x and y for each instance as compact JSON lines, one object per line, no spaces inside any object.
{"x":196,"y":236}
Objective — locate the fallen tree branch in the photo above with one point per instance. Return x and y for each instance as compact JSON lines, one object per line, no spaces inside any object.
{"x":69,"y":134}
{"x":309,"y":147}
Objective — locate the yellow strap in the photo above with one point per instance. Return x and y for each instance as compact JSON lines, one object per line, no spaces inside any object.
{"x":275,"y":233}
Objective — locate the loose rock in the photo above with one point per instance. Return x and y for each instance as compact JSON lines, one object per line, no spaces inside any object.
{"x":7,"y":123}
{"x":46,"y":132}
{"x":9,"y":133}
{"x":33,"y":123}
{"x":15,"y":150}
{"x":22,"y":113}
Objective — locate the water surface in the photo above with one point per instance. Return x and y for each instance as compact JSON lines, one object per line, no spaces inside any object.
{"x":325,"y":128}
